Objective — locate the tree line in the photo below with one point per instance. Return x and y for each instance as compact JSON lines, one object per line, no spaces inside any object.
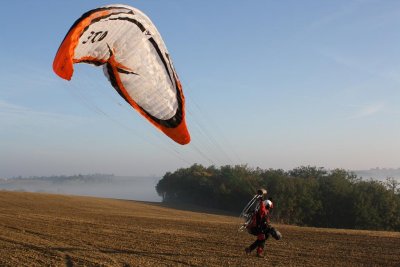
{"x":306,"y":196}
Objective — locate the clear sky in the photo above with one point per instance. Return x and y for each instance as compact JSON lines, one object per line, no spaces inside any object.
{"x":271,"y":84}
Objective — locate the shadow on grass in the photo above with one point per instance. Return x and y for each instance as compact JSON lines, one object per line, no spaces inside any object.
{"x":68,"y":261}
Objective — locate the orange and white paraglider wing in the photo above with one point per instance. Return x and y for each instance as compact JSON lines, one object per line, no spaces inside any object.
{"x":135,"y":60}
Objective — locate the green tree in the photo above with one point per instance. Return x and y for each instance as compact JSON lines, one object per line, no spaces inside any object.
{"x":303,"y":196}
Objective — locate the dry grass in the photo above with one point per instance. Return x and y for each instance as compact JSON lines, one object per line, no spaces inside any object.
{"x":55,"y":230}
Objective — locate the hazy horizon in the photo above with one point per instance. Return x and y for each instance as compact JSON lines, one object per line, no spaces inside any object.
{"x":160,"y":176}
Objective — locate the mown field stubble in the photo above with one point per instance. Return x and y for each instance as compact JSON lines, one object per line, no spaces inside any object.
{"x":55,"y":230}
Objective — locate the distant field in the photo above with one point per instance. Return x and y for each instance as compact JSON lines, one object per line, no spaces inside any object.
{"x":43,"y":229}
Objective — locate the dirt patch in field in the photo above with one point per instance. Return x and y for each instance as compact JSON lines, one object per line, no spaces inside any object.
{"x":43,"y":229}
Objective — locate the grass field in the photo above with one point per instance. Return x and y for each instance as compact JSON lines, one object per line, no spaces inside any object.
{"x":55,"y":230}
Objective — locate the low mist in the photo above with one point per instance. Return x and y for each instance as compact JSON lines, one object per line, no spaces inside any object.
{"x":107,"y":186}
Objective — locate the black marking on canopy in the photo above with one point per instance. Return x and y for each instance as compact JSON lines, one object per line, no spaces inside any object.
{"x":140,"y":25}
{"x":113,"y":81}
{"x":160,"y":54}
{"x":93,"y":62}
{"x":126,"y":71}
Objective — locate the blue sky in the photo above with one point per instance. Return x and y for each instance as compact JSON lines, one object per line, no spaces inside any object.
{"x":271,"y":84}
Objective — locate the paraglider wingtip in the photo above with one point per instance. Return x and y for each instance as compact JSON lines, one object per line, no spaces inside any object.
{"x":64,"y":71}
{"x":184,"y":141}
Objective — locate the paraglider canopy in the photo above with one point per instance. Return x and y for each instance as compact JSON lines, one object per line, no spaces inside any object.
{"x":135,"y":60}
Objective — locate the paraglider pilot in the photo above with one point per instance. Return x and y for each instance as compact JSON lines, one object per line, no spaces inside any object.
{"x":260,"y":224}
